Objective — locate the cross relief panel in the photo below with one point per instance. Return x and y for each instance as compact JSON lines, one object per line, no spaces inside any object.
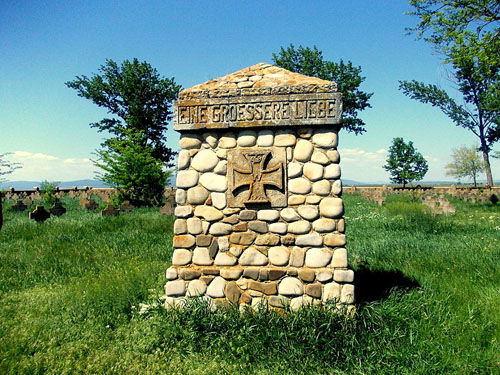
{"x":257,"y":176}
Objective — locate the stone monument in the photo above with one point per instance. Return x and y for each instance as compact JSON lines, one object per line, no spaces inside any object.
{"x":259,"y":216}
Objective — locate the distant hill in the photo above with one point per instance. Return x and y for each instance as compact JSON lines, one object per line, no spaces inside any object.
{"x":25,"y":185}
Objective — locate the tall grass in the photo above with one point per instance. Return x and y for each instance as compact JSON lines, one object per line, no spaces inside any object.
{"x":71,"y":292}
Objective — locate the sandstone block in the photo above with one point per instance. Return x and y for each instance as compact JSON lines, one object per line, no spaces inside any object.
{"x":313,"y":290}
{"x":218,"y":200}
{"x":186,"y":179}
{"x":251,"y":273}
{"x":289,"y":214}
{"x":253,"y":257}
{"x":189,"y":141}
{"x":308,"y":212}
{"x":334,"y":240}
{"x":201,"y":257}
{"x":299,"y":227}
{"x":180,"y":196}
{"x":324,"y":225}
{"x":227,"y":140}
{"x":244,"y":239}
{"x":347,"y":295}
{"x":307,"y":275}
{"x":230,"y":274}
{"x":258,"y":226}
{"x":284,"y":138}
{"x":213,"y":248}
{"x":313,"y":239}
{"x":303,"y":150}
{"x":279,"y":228}
{"x":189,"y":274}
{"x":208,"y":213}
{"x":204,"y":161}
{"x":320,"y":157}
{"x":247,"y":138}
{"x":313,"y":171}
{"x":297,"y":256}
{"x":343,"y":276}
{"x":321,"y":187}
{"x":291,"y":286}
{"x":216,"y":288}
{"x":240,"y":227}
{"x":339,"y":259}
{"x":232,"y":292}
{"x":279,"y":255}
{"x":265,"y":138}
{"x":331,"y":292}
{"x":325,"y":138}
{"x":266,"y":288}
{"x":331,"y":207}
{"x":268,"y":215}
{"x":181,"y":257}
{"x":197,"y":195}
{"x":324,"y":276}
{"x":203,"y":240}
{"x":278,"y":301}
{"x":316,"y":258}
{"x":214,"y":182}
{"x":294,"y":170}
{"x":332,"y":171}
{"x":248,"y":215}
{"x":269,"y":239}
{"x":183,"y":211}
{"x":184,"y":241}
{"x":171,"y":274}
{"x":180,"y":226}
{"x":175,"y":288}
{"x":245,"y":298}
{"x":220,"y":229}
{"x":299,"y":186}
{"x":236,"y":250}
{"x":275,"y":274}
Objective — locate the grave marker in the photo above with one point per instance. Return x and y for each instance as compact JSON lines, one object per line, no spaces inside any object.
{"x":39,"y":214}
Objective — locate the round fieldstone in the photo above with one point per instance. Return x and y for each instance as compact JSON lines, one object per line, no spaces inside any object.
{"x":324,"y":138}
{"x":337,"y":187}
{"x":194,"y":225}
{"x":181,"y":257}
{"x":279,"y":255}
{"x":341,"y":225}
{"x":294,"y":170}
{"x":291,"y":286}
{"x":332,"y":171}
{"x":221,"y":153}
{"x":201,"y":256}
{"x":186,"y":179}
{"x":289,"y":214}
{"x":220,"y":229}
{"x":247,"y":138}
{"x":219,"y":200}
{"x":312,"y":239}
{"x":171,"y":273}
{"x":333,"y":155}
{"x":313,"y":199}
{"x":253,"y":257}
{"x":268,"y":215}
{"x":343,"y":276}
{"x":303,"y":150}
{"x":265,"y":138}
{"x":331,"y":292}
{"x":324,"y":276}
{"x":280,"y":228}
{"x":183,"y":211}
{"x":347,"y":294}
{"x":258,"y":226}
{"x":197,"y":195}
{"x":189,"y":141}
{"x":211,"y":139}
{"x":321,"y":187}
{"x":175,"y":288}
{"x":300,"y":302}
{"x":227,"y":140}
{"x":313,"y":171}
{"x":299,"y":186}
{"x":184,"y":241}
{"x":230,"y":274}
{"x":216,"y":288}
{"x":196,"y":288}
{"x":297,"y":256}
{"x":339,"y":259}
{"x":289,"y":154}
{"x":183,"y":160}
{"x":225,"y":259}
{"x":316,"y":258}
{"x":223,"y":243}
{"x":324,"y":225}
{"x":180,"y":196}
{"x":296,"y":199}
{"x":320,"y":157}
{"x":180,"y":226}
{"x":221,"y":167}
{"x":214,"y":182}
{"x":205,"y":161}
{"x":284,"y":138}
{"x":208,"y":213}
{"x":331,"y":207}
{"x":299,"y":227}
{"x":335,"y":240}
{"x":308,"y":212}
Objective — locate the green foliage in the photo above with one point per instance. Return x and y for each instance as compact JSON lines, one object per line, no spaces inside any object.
{"x":7,"y":167}
{"x":404,"y":163}
{"x":466,"y":163}
{"x":309,"y":61}
{"x":48,"y":190}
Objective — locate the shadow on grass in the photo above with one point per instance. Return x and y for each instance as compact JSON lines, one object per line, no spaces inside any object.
{"x":374,"y":285}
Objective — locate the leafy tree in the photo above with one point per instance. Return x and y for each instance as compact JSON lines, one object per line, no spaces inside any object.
{"x":466,"y":163}
{"x":135,"y":157}
{"x":405,"y":163}
{"x":309,"y":61}
{"x":7,"y":167}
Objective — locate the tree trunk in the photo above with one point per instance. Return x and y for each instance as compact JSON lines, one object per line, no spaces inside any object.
{"x":487,"y":168}
{"x":475,"y":183}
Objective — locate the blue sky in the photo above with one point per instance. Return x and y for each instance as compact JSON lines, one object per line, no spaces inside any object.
{"x":44,"y":44}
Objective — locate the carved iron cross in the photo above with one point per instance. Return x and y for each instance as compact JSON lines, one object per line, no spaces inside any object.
{"x":256,"y":177}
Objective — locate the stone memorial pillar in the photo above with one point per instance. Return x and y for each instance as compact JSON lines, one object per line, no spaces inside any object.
{"x":259,"y":216}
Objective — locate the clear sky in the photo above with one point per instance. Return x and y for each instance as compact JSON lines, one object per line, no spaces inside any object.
{"x":44,"y":44}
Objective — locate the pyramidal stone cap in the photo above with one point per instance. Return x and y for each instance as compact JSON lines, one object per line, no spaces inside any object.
{"x":259,"y":96}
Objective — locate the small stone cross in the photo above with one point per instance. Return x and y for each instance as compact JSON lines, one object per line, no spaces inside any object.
{"x":256,"y":176}
{"x":39,"y":214}
{"x":110,"y":210}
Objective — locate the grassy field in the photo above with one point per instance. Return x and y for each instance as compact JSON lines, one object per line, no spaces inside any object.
{"x":428,"y":287}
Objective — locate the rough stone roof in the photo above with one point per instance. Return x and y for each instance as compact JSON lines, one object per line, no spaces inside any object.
{"x":259,"y":79}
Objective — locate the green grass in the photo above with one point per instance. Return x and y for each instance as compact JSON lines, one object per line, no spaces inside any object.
{"x":71,"y":290}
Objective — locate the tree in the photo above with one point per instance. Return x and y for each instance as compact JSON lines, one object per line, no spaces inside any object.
{"x":309,"y":61}
{"x":7,"y":167}
{"x":135,"y":158}
{"x":405,"y":163}
{"x":466,"y":163}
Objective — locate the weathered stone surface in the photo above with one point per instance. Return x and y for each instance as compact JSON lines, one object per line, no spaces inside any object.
{"x":316,"y":258}
{"x":305,"y":132}
{"x":289,"y":214}
{"x":268,"y":215}
{"x":227,"y":140}
{"x":244,"y":239}
{"x":197,"y":195}
{"x":184,"y":241}
{"x":299,"y":227}
{"x":180,"y":226}
{"x":240,"y":227}
{"x":201,"y":257}
{"x":284,"y":138}
{"x":324,"y":276}
{"x":186,"y":179}
{"x":216,"y":288}
{"x":189,"y":141}
{"x":171,"y":274}
{"x":312,"y":239}
{"x":269,"y":239}
{"x":275,"y":274}
{"x":324,"y":226}
{"x":213,"y":248}
{"x":339,"y":259}
{"x":299,"y":186}
{"x":331,"y":207}
{"x":297,"y":256}
{"x":258,"y":226}
{"x":308,"y":212}
{"x":236,"y":250}
{"x":245,"y":298}
{"x":307,"y":275}
{"x":321,"y":187}
{"x":313,"y":199}
{"x":194,"y":225}
{"x":214,"y":182}
{"x":288,"y":240}
{"x":265,"y":138}
{"x":343,"y":276}
{"x":279,"y":255}
{"x":300,"y":302}
{"x":196,"y":288}
{"x":280,"y":228}
{"x":231,"y":274}
{"x":278,"y":301}
{"x":247,"y":138}
{"x":221,"y":167}
{"x":337,"y":187}
{"x":211,"y":139}
{"x":303,"y":150}
{"x":232,"y":292}
{"x":347,"y":295}
{"x":332,"y":171}
{"x":208,"y":213}
{"x":320,"y":157}
{"x":220,"y":229}
{"x":248,"y":215}
{"x":313,"y":290}
{"x":341,"y":225}
{"x":189,"y":274}
{"x":334,"y":240}
{"x":333,"y":155}
{"x":291,"y":286}
{"x":251,"y":273}
{"x":324,"y":138}
{"x":331,"y":292}
{"x":221,"y":153}
{"x":203,"y":240}
{"x":263,"y":275}
{"x":294,"y":170}
{"x":259,"y":303}
{"x":223,"y":243}
{"x":313,"y":171}
{"x":218,"y":200}
{"x":181,"y":257}
{"x":180,"y":196}
{"x":266,"y":288}
{"x":204,"y":161}
{"x":183,"y":211}
{"x":210,"y":271}
{"x":184,"y":159}
{"x":296,"y":199}
{"x":175,"y":288}
{"x":253,"y":257}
